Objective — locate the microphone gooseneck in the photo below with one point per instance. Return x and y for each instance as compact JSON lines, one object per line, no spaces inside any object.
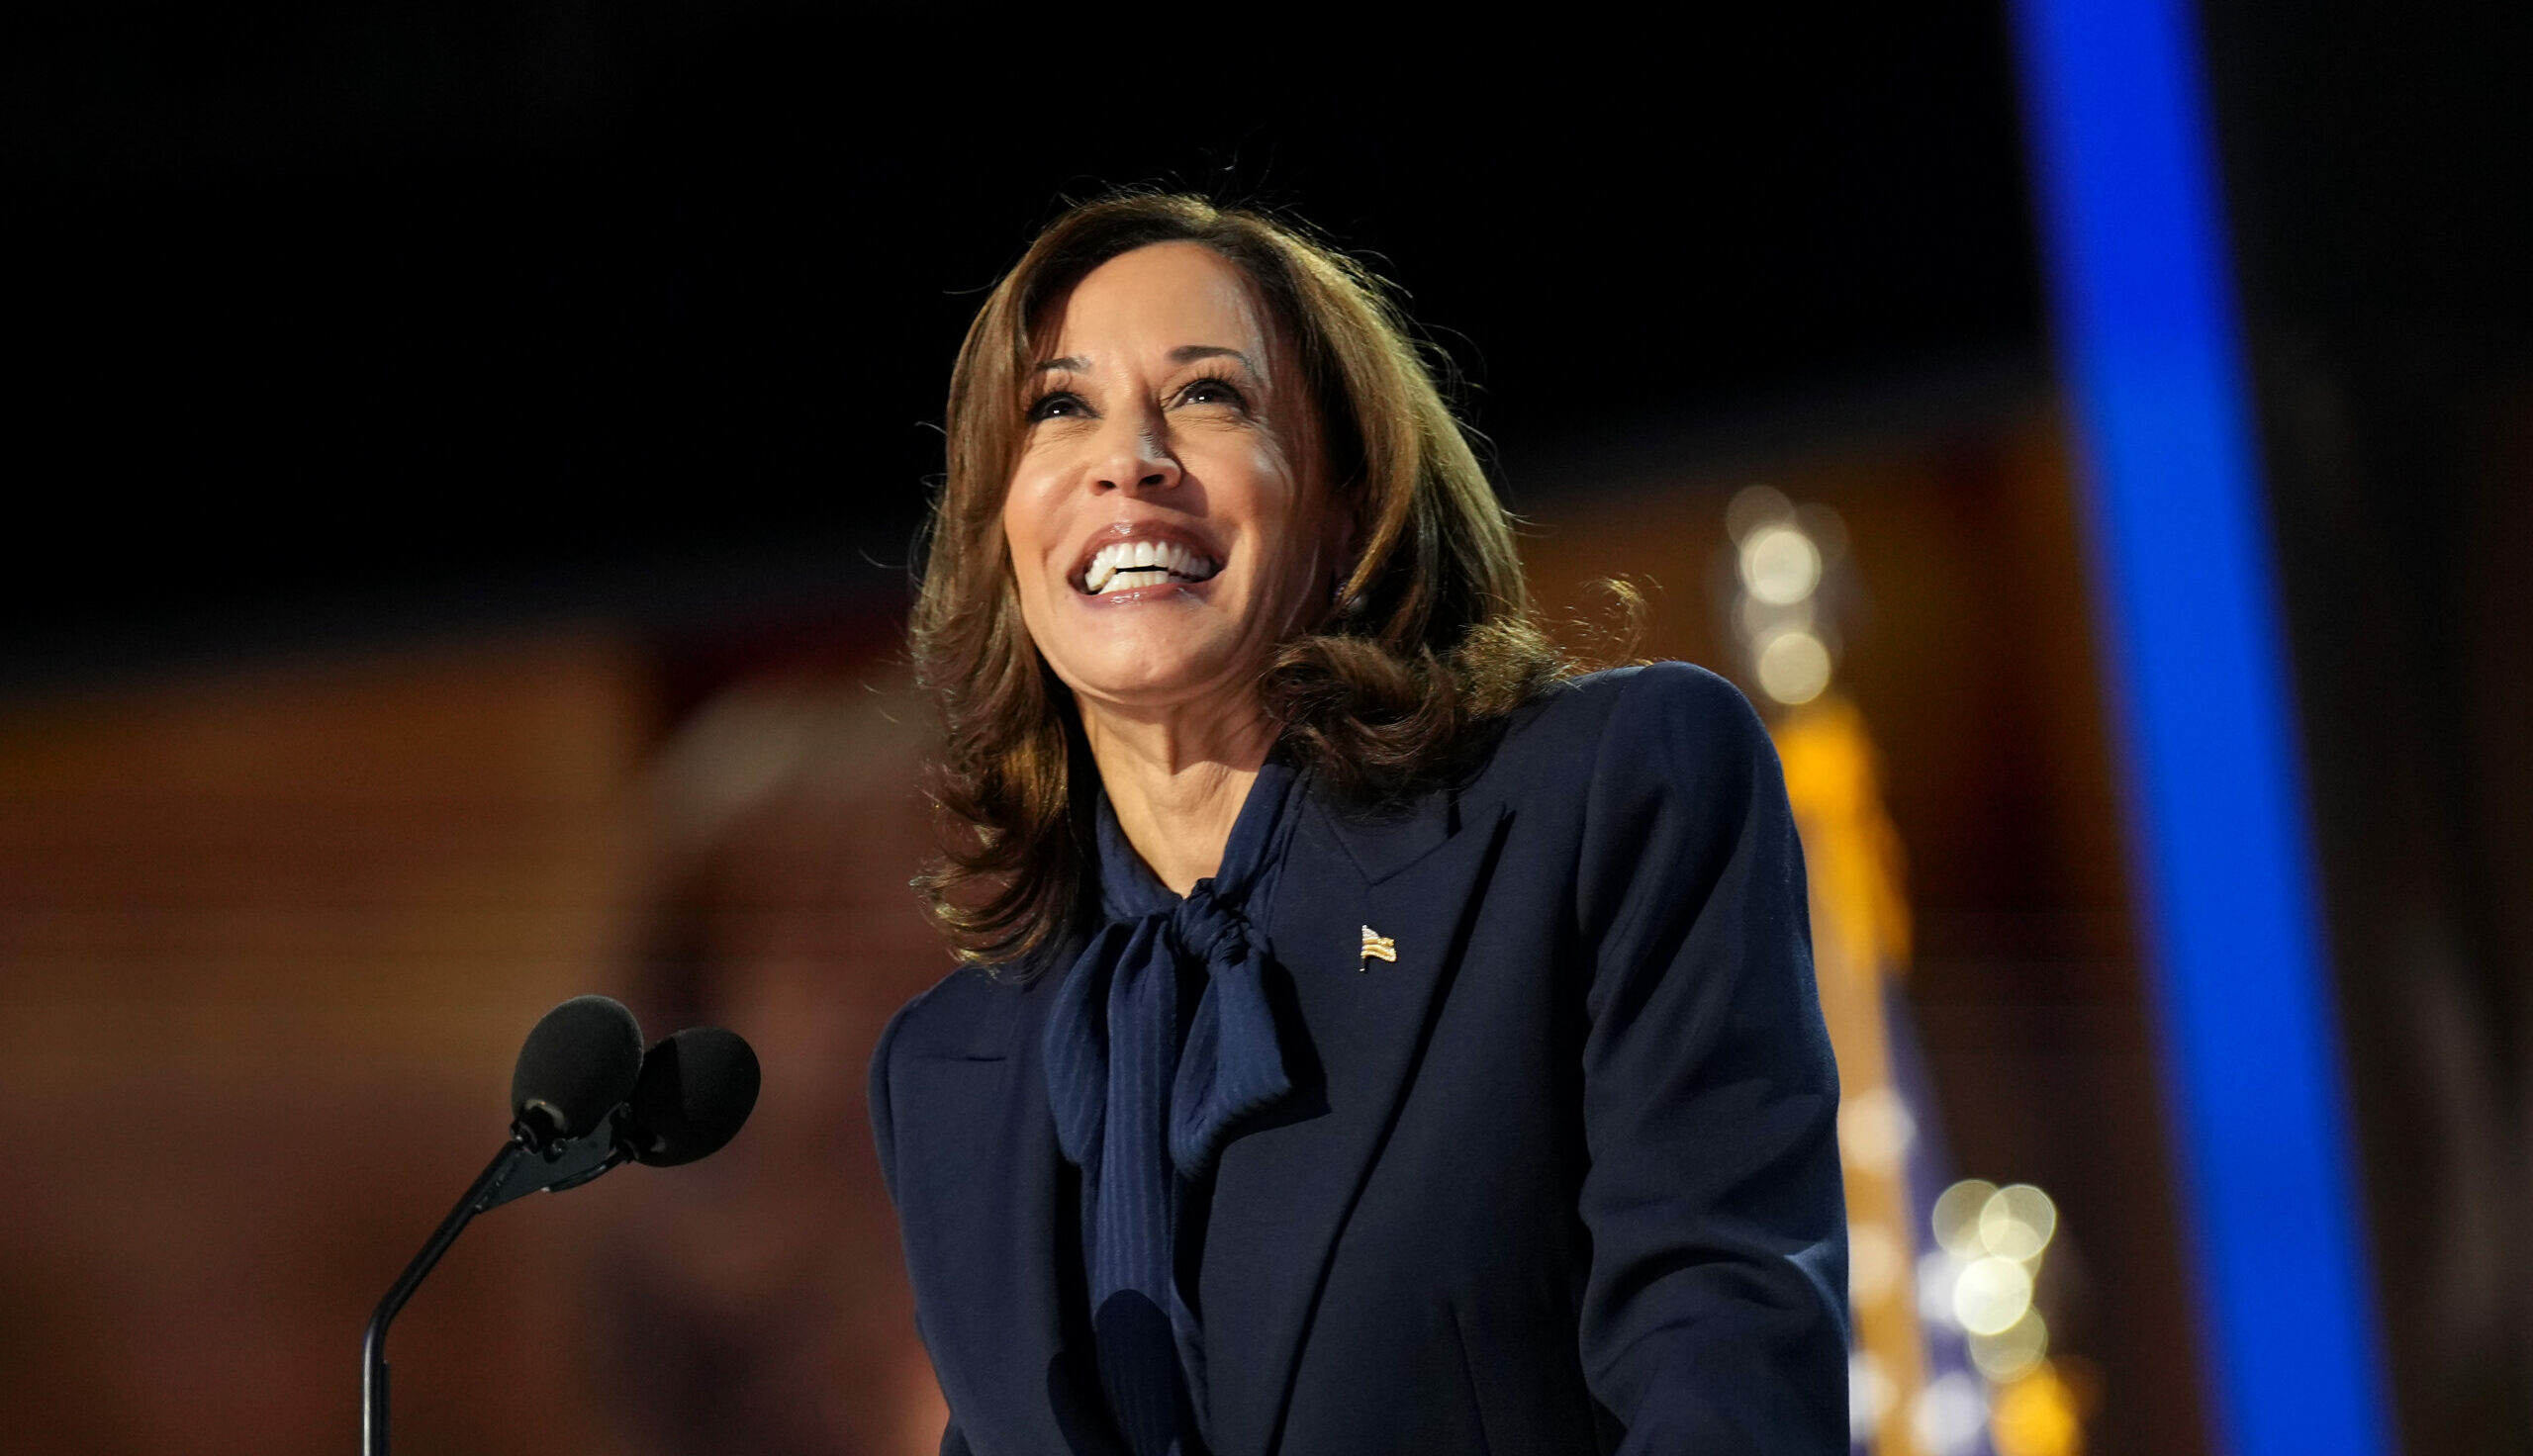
{"x":583,"y":1098}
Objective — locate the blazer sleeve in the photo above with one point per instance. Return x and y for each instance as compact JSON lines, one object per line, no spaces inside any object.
{"x":883,"y":1134}
{"x":1714,"y":1314}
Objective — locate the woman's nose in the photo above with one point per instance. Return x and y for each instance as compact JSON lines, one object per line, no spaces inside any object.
{"x":1138,"y":457}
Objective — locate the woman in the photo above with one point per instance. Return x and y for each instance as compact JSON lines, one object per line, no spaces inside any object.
{"x":1375,"y":1038}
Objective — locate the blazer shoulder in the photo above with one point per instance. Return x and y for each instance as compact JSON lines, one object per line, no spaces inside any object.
{"x":966,"y":1016}
{"x":1649,"y":714}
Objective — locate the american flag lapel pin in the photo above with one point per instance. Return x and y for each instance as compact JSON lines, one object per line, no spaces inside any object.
{"x":1376,"y":947}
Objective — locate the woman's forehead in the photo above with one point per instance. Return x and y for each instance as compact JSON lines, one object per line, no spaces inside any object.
{"x":1163,"y":299}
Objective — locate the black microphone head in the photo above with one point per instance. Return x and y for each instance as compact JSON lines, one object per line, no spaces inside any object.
{"x":696,"y":1091}
{"x":580,"y":1062}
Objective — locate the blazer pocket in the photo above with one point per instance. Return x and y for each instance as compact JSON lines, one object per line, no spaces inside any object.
{"x":1474,"y":1383}
{"x":1526,"y":1382}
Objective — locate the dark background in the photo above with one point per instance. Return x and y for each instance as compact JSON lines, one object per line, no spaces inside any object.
{"x":2380,"y":174}
{"x":555,"y":304}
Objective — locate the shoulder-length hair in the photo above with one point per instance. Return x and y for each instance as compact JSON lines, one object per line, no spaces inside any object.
{"x":1428,"y":640}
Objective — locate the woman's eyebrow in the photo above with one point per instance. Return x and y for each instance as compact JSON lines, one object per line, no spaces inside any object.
{"x":1183,"y":354}
{"x":1190,"y":353}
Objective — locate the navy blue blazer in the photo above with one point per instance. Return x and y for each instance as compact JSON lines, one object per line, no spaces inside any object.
{"x":1562,"y":1177}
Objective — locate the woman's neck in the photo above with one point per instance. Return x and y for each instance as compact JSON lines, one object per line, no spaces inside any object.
{"x":1176,"y":782}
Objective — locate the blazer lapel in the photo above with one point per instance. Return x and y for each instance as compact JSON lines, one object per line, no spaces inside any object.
{"x":1353,"y":1030}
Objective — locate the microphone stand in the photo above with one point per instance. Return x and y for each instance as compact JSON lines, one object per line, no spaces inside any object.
{"x":520,"y":1168}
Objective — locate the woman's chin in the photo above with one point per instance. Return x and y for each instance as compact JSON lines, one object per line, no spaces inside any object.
{"x":1141,"y":679}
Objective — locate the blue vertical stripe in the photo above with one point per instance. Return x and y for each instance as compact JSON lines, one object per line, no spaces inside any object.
{"x":2148,"y":343}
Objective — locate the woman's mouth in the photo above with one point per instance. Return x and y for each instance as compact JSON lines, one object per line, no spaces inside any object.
{"x":1126,"y":565}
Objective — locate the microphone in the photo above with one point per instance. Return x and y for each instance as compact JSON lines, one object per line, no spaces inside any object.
{"x":581,"y":1060}
{"x":585,"y":1098}
{"x":696,"y":1091}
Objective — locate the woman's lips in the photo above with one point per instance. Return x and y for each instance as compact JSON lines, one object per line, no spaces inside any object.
{"x":1124,"y":565}
{"x":1131,"y":558}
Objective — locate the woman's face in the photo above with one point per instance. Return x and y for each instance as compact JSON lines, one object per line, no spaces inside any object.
{"x":1169,"y":517}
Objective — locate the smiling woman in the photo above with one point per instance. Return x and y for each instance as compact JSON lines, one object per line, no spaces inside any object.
{"x":1171,"y":525}
{"x":1374,"y":1037}
{"x":1221,"y":381}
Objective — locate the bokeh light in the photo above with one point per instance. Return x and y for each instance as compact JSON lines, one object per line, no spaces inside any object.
{"x":1949,"y":1415}
{"x":2014,"y":1351}
{"x":1753,"y":506}
{"x":1874,"y":1262}
{"x":1957,"y":1215}
{"x":2038,"y":1414}
{"x":2016,"y":1221}
{"x":1756,"y":619}
{"x":1780,"y":565}
{"x":1794,"y":667}
{"x":1991,"y":1294}
{"x":1870,"y":1393}
{"x":1875,"y":1129}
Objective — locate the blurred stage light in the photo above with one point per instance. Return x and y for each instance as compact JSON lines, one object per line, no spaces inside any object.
{"x":1938,"y":1273}
{"x":2037,"y":1415}
{"x":1794,"y":667}
{"x":1951,"y":1415}
{"x":2014,"y":1351}
{"x":1874,"y":1261}
{"x":1869,"y":1396}
{"x":1875,"y":1129}
{"x":1758,"y":619}
{"x":1780,"y":565}
{"x":1755,"y":506}
{"x":2016,"y":1223}
{"x":1957,"y":1215}
{"x":2130,"y":202}
{"x":1781,"y":558}
{"x":1828,"y":531}
{"x":1991,"y":1294}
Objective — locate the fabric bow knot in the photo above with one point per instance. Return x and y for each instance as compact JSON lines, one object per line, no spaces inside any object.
{"x":1124,"y":989}
{"x":1205,"y":931}
{"x":1143,"y":1113}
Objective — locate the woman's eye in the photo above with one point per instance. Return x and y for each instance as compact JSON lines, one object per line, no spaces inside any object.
{"x":1061,"y":405}
{"x":1213,"y":392}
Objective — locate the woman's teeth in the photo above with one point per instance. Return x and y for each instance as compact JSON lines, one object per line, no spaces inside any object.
{"x":1128,"y":565}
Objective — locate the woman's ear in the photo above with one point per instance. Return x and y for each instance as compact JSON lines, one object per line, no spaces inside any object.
{"x":1345,"y":523}
{"x":1343,"y":544}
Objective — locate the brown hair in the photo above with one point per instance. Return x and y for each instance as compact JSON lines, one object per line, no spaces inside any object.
{"x":1428,"y":640}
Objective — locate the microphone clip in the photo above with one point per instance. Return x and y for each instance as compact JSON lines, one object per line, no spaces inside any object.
{"x":538,"y":1163}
